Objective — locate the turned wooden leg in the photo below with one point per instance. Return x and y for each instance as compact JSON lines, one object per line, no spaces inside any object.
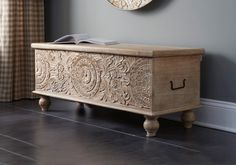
{"x":188,"y":117}
{"x":44,"y":103}
{"x":151,"y":125}
{"x":80,"y":106}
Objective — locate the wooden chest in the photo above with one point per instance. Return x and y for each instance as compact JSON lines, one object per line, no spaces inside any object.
{"x":143,"y":79}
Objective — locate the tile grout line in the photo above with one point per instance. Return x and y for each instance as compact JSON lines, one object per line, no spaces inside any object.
{"x":17,"y":154}
{"x":15,"y":139}
{"x":112,"y":130}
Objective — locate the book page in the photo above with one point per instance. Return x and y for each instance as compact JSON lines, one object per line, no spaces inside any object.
{"x":72,"y":38}
{"x":83,"y":38}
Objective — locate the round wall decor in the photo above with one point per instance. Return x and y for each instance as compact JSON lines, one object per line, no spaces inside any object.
{"x":129,"y":4}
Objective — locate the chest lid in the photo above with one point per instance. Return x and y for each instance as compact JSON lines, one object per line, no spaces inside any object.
{"x":123,"y":49}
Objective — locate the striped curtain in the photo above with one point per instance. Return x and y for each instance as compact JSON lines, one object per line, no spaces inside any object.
{"x":21,"y":23}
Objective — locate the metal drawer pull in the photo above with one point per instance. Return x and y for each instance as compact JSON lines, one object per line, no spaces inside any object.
{"x":173,"y":88}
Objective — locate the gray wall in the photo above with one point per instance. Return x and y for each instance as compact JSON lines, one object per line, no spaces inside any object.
{"x":210,"y":24}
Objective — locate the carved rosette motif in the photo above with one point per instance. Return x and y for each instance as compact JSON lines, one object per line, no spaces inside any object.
{"x":122,"y":80}
{"x":85,"y":75}
{"x":129,"y":4}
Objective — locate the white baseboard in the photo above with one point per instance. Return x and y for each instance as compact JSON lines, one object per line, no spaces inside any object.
{"x":215,"y":114}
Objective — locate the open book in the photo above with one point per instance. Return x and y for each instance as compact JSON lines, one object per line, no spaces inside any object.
{"x":83,"y":38}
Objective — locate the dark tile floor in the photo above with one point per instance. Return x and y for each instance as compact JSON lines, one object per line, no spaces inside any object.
{"x":102,"y":136}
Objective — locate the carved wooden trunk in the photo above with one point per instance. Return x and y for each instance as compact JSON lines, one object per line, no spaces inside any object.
{"x":149,"y":80}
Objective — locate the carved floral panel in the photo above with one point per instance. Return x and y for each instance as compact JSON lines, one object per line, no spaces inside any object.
{"x":122,"y":80}
{"x":129,"y":4}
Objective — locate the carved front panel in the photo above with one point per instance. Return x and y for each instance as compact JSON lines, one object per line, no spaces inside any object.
{"x":120,"y":80}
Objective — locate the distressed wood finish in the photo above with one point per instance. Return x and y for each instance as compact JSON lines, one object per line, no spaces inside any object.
{"x":149,"y":80}
{"x":44,"y":103}
{"x":96,"y":77}
{"x":151,"y":125}
{"x":188,"y":117}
